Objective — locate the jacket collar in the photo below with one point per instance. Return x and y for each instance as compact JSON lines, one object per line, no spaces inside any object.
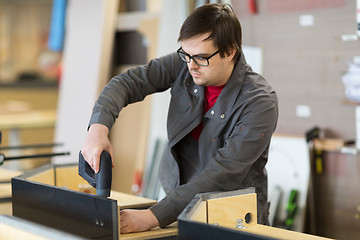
{"x":223,"y":107}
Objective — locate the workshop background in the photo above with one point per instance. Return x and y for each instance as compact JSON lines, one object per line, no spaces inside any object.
{"x":56,"y":56}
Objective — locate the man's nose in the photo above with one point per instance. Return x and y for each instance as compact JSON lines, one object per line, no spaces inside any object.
{"x":192,"y":64}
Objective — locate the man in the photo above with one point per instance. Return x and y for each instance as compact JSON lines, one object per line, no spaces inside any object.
{"x":220,"y":121}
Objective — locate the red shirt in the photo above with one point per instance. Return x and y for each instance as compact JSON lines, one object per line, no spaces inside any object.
{"x":211,"y":95}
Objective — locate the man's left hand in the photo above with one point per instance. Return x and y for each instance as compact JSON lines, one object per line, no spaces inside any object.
{"x":137,"y":220}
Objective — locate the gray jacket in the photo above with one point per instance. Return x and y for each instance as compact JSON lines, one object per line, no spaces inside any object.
{"x":233,"y":146}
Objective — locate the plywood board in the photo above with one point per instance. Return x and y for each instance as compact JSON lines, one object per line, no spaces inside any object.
{"x":228,"y":211}
{"x":46,"y":177}
{"x":130,"y":201}
{"x":280,"y":233}
{"x":68,"y":177}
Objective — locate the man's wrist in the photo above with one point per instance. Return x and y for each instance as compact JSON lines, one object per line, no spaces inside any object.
{"x":153,"y":220}
{"x":99,"y":129}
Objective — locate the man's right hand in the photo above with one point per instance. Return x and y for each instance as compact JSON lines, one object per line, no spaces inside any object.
{"x":95,"y":143}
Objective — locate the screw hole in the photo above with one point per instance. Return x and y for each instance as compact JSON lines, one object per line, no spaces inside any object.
{"x":248,"y":218}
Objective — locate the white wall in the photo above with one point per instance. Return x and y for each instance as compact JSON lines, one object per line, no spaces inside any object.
{"x":82,"y":64}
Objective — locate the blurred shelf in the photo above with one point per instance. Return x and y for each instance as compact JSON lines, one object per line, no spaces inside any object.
{"x":132,"y":20}
{"x":30,"y":84}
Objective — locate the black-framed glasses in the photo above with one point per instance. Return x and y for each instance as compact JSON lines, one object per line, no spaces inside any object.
{"x":199,"y":60}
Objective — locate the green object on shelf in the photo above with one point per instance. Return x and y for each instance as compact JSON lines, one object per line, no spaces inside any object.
{"x":291,"y":209}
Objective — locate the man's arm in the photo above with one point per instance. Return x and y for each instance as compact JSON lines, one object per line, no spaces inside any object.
{"x":126,"y":88}
{"x":133,"y":86}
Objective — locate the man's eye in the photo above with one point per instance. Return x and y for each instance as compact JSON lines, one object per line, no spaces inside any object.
{"x":200,"y":58}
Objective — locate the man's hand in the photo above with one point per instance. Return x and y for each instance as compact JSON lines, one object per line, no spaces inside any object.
{"x":95,"y":143}
{"x":137,"y":220}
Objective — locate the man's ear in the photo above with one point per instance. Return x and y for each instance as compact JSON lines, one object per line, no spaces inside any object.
{"x":231,"y":53}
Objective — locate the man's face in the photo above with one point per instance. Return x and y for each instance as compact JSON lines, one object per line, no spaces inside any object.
{"x":219,"y":70}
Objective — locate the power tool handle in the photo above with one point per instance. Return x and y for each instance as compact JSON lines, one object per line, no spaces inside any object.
{"x":104,"y":176}
{"x":86,"y":172}
{"x":101,"y":180}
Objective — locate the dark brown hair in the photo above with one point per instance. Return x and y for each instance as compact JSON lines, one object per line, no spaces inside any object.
{"x":220,"y":21}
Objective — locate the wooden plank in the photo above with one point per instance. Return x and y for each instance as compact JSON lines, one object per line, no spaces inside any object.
{"x":129,"y":143}
{"x":68,"y":177}
{"x":279,"y":233}
{"x":228,"y":210}
{"x":46,"y":177}
{"x":130,"y":201}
